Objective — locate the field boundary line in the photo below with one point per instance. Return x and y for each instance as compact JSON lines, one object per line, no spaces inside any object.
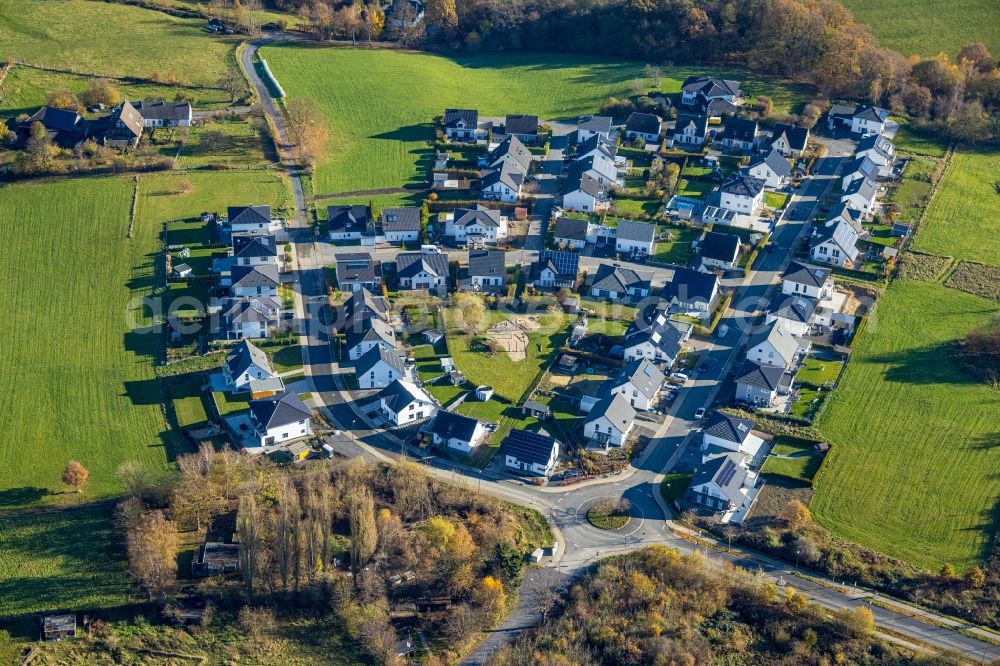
{"x":948,"y":156}
{"x":132,"y":80}
{"x":135,"y":204}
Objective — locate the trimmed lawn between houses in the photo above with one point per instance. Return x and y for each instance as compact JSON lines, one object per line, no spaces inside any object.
{"x":794,"y":459}
{"x":912,"y":468}
{"x":679,"y":250}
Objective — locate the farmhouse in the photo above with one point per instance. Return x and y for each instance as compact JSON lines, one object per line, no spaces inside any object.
{"x":583,"y":192}
{"x":859,"y":167}
{"x":122,"y":128}
{"x":64,"y":127}
{"x":724,"y":431}
{"x":635,"y":237}
{"x":861,"y":119}
{"x":462,"y":125}
{"x":771,"y":168}
{"x":860,"y":195}
{"x":757,"y":384}
{"x":260,"y":280}
{"x":165,"y":114}
{"x":660,"y":340}
{"x":245,"y":364}
{"x":699,"y":90}
{"x":356,"y":271}
{"x":248,"y":317}
{"x":691,"y":292}
{"x":484,"y":272}
{"x":403,"y":402}
{"x":556,"y":270}
{"x":811,"y":281}
{"x":521,"y":126}
{"x":250,"y":250}
{"x":645,"y":126}
{"x":590,"y":126}
{"x":529,"y":452}
{"x":690,"y":129}
{"x":741,"y":193}
{"x":503,"y":183}
{"x":352,"y":223}
{"x":794,"y":312}
{"x":610,"y":421}
{"x":835,"y":243}
{"x":879,"y":150}
{"x":718,"y":251}
{"x":615,"y":283}
{"x":773,"y":345}
{"x":475,"y":225}
{"x":571,"y":232}
{"x":789,"y":140}
{"x":422,"y":270}
{"x":721,"y":483}
{"x":251,"y":220}
{"x":740,"y":134}
{"x":401,"y":224}
{"x":378,"y":367}
{"x":280,"y":419}
{"x":455,"y":431}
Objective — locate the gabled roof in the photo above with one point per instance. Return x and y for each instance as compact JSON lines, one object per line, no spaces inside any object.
{"x":470,"y":117}
{"x":481,"y":215}
{"x":742,"y":185}
{"x":793,"y":307}
{"x":580,"y":179}
{"x":245,"y":355}
{"x":372,"y":330}
{"x":740,"y":129}
{"x":645,"y":123}
{"x":399,"y":394}
{"x":249,"y":215}
{"x":717,"y":106}
{"x":841,"y":234}
{"x":800,"y":273}
{"x":279,"y":410}
{"x":127,"y":115}
{"x":710,"y":87}
{"x":164,"y":110}
{"x":563,"y":264}
{"x":641,"y":374}
{"x":876,"y":142}
{"x":513,"y":147}
{"x":726,"y":472}
{"x":528,"y":447}
{"x":760,"y":375}
{"x":616,"y":409}
{"x":571,"y":228}
{"x":844,"y":212}
{"x":356,"y":267}
{"x":448,"y":425}
{"x":612,"y":277}
{"x":509,"y":174}
{"x":796,"y":136}
{"x":263,"y":275}
{"x":348,"y":219}
{"x":260,"y":309}
{"x":864,"y":187}
{"x":596,"y":142}
{"x":601,"y":124}
{"x":52,"y":118}
{"x":409,"y":264}
{"x":379,"y":354}
{"x":719,"y":246}
{"x":520,"y":123}
{"x":400,"y":219}
{"x":642,"y":232}
{"x":863,"y":165}
{"x":869,"y":112}
{"x":254,"y":246}
{"x":774,"y":161}
{"x":728,"y":427}
{"x":687,"y":285}
{"x":779,"y":337}
{"x":487,"y":263}
{"x":364,"y":299}
{"x":696,"y":120}
{"x":662,"y":333}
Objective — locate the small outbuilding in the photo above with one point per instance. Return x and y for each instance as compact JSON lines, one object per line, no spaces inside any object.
{"x":536,"y":409}
{"x":58,"y":627}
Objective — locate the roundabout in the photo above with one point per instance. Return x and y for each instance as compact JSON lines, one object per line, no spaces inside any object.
{"x":609,"y":514}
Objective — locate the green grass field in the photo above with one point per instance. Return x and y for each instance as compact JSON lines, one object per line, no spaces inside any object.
{"x":802,"y":464}
{"x":914,"y":191}
{"x":963,"y":220}
{"x":79,"y":373}
{"x":912,"y":470}
{"x":910,"y":140}
{"x":389,"y":148}
{"x":67,"y":559}
{"x":167,"y":197}
{"x":817,"y":371}
{"x":913,"y":26}
{"x":679,"y":250}
{"x":111,"y":39}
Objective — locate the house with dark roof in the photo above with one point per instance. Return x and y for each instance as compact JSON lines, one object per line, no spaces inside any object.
{"x":165,"y":114}
{"x":740,"y":134}
{"x":617,"y":283}
{"x":731,"y":433}
{"x":610,"y":421}
{"x":485,"y":271}
{"x":570,"y":232}
{"x":637,"y":238}
{"x":403,"y":403}
{"x":422,"y":270}
{"x":758,"y":384}
{"x":122,"y":128}
{"x":863,"y":119}
{"x":835,"y":243}
{"x":475,"y":226}
{"x":812,"y":281}
{"x":503,"y":183}
{"x":353,"y":223}
{"x":64,"y":127}
{"x":599,"y":164}
{"x":280,"y":419}
{"x":879,"y":150}
{"x":773,"y":345}
{"x":646,"y":126}
{"x":378,"y":367}
{"x":860,"y":195}
{"x":251,"y":281}
{"x":699,"y":90}
{"x":718,"y":251}
{"x":789,"y":140}
{"x":511,"y":150}
{"x":401,"y":224}
{"x":595,"y":145}
{"x":462,"y":125}
{"x":690,"y":292}
{"x":357,"y":270}
{"x":556,"y":269}
{"x":741,"y":193}
{"x":522,"y":126}
{"x":859,"y":167}
{"x":854,"y":218}
{"x":591,"y":126}
{"x":455,"y":431}
{"x":529,"y":452}
{"x":690,"y":130}
{"x":794,"y":312}
{"x":721,"y":483}
{"x":582,"y":191}
{"x":361,"y":305}
{"x":250,"y":220}
{"x":245,"y":363}
{"x":254,"y":250}
{"x":252,"y":317}
{"x":770,"y":167}
{"x":660,"y":340}
{"x":368,"y":334}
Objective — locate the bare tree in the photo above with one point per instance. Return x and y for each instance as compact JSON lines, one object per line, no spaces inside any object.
{"x":248,"y":523}
{"x":233,"y":83}
{"x":152,"y":553}
{"x":306,"y":129}
{"x":364,"y":533}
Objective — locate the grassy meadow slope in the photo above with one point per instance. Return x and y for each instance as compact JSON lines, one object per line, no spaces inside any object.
{"x":927,"y":28}
{"x":912,"y":472}
{"x":380,"y":126}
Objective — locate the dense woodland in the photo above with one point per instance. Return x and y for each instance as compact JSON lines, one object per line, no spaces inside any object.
{"x":657,"y":607}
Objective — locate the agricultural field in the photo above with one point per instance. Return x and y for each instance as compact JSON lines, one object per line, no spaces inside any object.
{"x":912,"y":470}
{"x":963,"y":220}
{"x":389,"y":149}
{"x":908,"y":27}
{"x":76,"y":356}
{"x":236,"y":143}
{"x":133,"y":41}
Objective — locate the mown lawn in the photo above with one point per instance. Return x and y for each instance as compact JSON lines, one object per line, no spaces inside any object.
{"x":963,"y":220}
{"x":76,"y":359}
{"x":637,"y":207}
{"x":921,"y":142}
{"x":817,"y":371}
{"x":679,"y":250}
{"x":389,"y":148}
{"x":912,"y":469}
{"x":112,"y":39}
{"x":61,"y":560}
{"x":775,"y":200}
{"x":802,"y":464}
{"x":907,"y":25}
{"x":913,"y":193}
{"x":232,"y":143}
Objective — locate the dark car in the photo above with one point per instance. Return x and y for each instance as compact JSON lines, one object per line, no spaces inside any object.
{"x":703,"y":368}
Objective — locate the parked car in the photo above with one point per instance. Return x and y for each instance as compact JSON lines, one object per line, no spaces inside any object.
{"x":723,"y":330}
{"x":682,"y":377}
{"x":699,"y":413}
{"x":703,"y":368}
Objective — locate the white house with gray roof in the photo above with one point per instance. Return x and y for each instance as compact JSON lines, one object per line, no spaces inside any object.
{"x":635,"y":237}
{"x":617,"y":283}
{"x":741,"y":193}
{"x":478,"y":224}
{"x":503,"y":183}
{"x":401,"y":224}
{"x":254,"y":250}
{"x":462,"y":125}
{"x":571,"y":232}
{"x":661,"y":340}
{"x":280,"y":419}
{"x":530,"y":452}
{"x":254,"y":317}
{"x":379,"y":367}
{"x":789,"y":140}
{"x":773,"y":345}
{"x":588,"y":126}
{"x":812,"y":281}
{"x":245,"y":364}
{"x":722,"y":483}
{"x":422,"y":270}
{"x":639,"y":382}
{"x":250,"y":281}
{"x":794,"y":312}
{"x":758,"y":384}
{"x":610,"y":421}
{"x":725,"y":431}
{"x":860,"y":195}
{"x":251,"y":220}
{"x":835,"y":243}
{"x":859,"y":167}
{"x":369,"y":333}
{"x":770,"y":167}
{"x":403,"y":402}
{"x":879,"y":150}
{"x":583,"y":192}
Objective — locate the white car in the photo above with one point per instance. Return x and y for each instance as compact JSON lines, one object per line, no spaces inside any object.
{"x":699,"y":413}
{"x":679,"y":376}
{"x":723,"y":330}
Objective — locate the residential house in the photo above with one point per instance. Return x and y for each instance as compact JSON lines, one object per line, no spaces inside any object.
{"x":122,"y":128}
{"x":757,"y":384}
{"x":863,"y":119}
{"x":485,"y":271}
{"x":590,"y":126}
{"x":718,"y":251}
{"x":462,"y":125}
{"x":422,"y":270}
{"x":462,"y":433}
{"x":511,"y":150}
{"x":879,"y":150}
{"x":165,"y":114}
{"x":639,"y":382}
{"x":378,"y":367}
{"x":254,"y":317}
{"x":860,"y":195}
{"x":740,"y":134}
{"x":363,"y":304}
{"x":616,"y":283}
{"x":690,"y":130}
{"x":503,"y":183}
{"x":635,"y":237}
{"x":610,"y":421}
{"x":353,"y":223}
{"x":251,"y":220}
{"x":251,"y":250}
{"x":245,"y":363}
{"x":741,"y":193}
{"x":597,"y":144}
{"x":475,"y":225}
{"x":522,"y":126}
{"x":260,"y":280}
{"x":660,"y":340}
{"x":716,"y":109}
{"x":583,"y":192}
{"x":280,"y":418}
{"x":794,"y":312}
{"x":64,"y":127}
{"x":536,"y":410}
{"x":404,"y":402}
{"x":601,"y":165}
{"x":368,"y":334}
{"x":356,"y":271}
{"x":859,"y":167}
{"x":646,"y":126}
{"x":721,"y":483}
{"x":835,"y":243}
{"x":789,"y":140}
{"x":771,"y":168}
{"x":698,"y":90}
{"x":530,"y":452}
{"x":556,"y":270}
{"x":571,"y":232}
{"x":773,"y":345}
{"x":401,"y":225}
{"x":845,"y":213}
{"x":811,"y":281}
{"x":732,"y":433}
{"x":691,"y":292}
